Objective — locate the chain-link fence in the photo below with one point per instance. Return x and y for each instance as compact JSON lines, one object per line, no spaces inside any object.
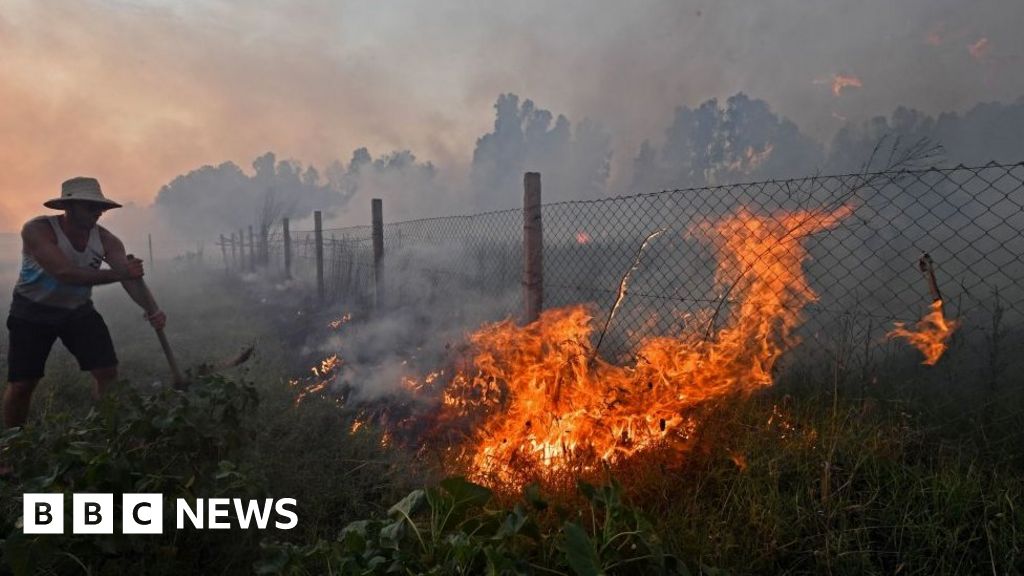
{"x":864,"y":271}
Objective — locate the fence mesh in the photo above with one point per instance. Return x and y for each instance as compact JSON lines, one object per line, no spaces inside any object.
{"x":864,"y":271}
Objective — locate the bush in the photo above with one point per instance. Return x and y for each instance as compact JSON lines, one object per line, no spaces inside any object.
{"x":183,"y":445}
{"x":454,"y":528}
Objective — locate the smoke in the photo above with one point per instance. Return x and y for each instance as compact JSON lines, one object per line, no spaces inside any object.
{"x":137,"y":92}
{"x":740,"y":139}
{"x":574,"y":163}
{"x":224,"y":198}
{"x":744,"y":140}
{"x":987,"y":132}
{"x":408,"y":188}
{"x":426,"y":308}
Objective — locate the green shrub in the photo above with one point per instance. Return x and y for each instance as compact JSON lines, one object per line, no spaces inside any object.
{"x":183,"y":445}
{"x":455,"y":528}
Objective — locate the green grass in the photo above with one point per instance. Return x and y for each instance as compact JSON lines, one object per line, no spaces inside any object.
{"x":818,"y":475}
{"x":850,"y":491}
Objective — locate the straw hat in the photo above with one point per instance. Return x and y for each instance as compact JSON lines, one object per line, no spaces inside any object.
{"x":80,"y":190}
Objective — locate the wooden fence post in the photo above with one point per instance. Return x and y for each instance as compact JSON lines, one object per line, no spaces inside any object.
{"x":252,"y":250}
{"x":265,"y":245}
{"x":234,"y":252}
{"x":318,"y":233}
{"x":533,"y":248}
{"x":377,"y":216}
{"x":224,"y":252}
{"x":287,"y":248}
{"x":241,"y":250}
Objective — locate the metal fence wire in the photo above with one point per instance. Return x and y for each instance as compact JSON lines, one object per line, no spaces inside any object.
{"x":864,"y":271}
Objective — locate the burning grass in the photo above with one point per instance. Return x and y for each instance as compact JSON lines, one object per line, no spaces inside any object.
{"x":792,"y":480}
{"x":542,"y":401}
{"x":930,"y":335}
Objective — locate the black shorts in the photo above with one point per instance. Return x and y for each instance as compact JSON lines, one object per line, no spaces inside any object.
{"x":84,"y":334}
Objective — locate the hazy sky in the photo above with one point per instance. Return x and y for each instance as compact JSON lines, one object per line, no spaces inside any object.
{"x":137,"y":92}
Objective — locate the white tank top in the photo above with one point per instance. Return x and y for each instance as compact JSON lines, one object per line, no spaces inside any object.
{"x":40,"y":287}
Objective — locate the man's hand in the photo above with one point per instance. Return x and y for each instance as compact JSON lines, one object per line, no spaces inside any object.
{"x":157,"y":319}
{"x":133,"y":268}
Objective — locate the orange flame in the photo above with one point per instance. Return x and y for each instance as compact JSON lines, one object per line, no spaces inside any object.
{"x":751,"y":159}
{"x":936,"y":35}
{"x":335,"y":324}
{"x":755,"y":158}
{"x":929,"y":335}
{"x":839,"y":82}
{"x":546,"y":403}
{"x":582,"y":237}
{"x":980,"y":49}
{"x":326,"y":366}
{"x":324,"y":375}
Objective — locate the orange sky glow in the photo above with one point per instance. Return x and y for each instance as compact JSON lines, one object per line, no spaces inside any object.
{"x":137,"y":92}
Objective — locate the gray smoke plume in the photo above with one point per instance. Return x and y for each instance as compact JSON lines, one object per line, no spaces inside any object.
{"x":574,"y":162}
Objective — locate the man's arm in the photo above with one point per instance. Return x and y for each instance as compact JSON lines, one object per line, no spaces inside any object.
{"x":133,"y":285}
{"x":42,"y":247}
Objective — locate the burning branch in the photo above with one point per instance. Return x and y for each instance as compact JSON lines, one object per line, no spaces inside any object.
{"x":933,"y":330}
{"x":926,"y":266}
{"x":623,"y":286}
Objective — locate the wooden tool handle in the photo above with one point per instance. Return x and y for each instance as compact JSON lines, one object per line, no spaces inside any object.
{"x":179,"y":381}
{"x":928,"y":269}
{"x":150,"y":307}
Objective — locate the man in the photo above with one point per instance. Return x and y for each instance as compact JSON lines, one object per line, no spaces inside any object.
{"x":61,"y":258}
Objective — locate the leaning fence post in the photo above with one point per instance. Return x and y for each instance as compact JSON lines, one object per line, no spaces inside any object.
{"x":377,"y":215}
{"x":533,"y":248}
{"x":287,"y":248}
{"x":318,"y":233}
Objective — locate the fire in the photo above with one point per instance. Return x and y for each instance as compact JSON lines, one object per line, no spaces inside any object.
{"x":755,"y":158}
{"x":979,"y":50}
{"x":335,"y":324}
{"x":929,"y":335}
{"x":324,"y":374}
{"x":327,"y":365}
{"x":582,"y":237}
{"x":543,"y":401}
{"x":839,"y":82}
{"x":751,"y":159}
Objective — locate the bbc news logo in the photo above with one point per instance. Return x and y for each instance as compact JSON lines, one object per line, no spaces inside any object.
{"x":144,"y":513}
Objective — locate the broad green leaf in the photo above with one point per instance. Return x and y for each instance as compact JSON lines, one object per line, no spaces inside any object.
{"x":465,"y":493}
{"x":274,"y":564}
{"x":391,"y":535}
{"x":580,"y":552}
{"x":408,"y":505}
{"x":532,"y":495}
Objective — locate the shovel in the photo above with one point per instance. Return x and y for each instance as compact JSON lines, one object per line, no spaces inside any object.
{"x":178,"y":380}
{"x":150,"y":306}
